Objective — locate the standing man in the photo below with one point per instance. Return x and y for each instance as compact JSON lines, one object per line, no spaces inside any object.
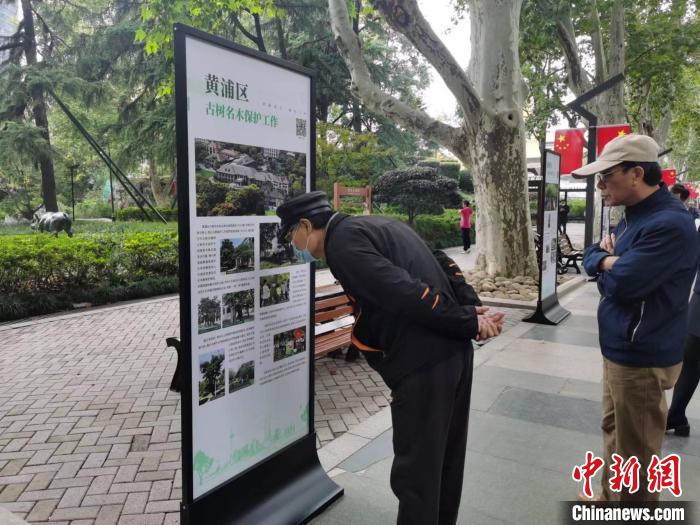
{"x":465,"y":223}
{"x":414,"y":332}
{"x":645,"y":269}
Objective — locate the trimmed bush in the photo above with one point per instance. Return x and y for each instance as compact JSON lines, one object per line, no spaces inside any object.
{"x":135,"y":214}
{"x":49,"y":271}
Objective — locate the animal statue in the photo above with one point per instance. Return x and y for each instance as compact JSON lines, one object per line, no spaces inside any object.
{"x":53,"y":222}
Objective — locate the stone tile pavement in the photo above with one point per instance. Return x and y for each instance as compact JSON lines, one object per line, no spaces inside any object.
{"x":90,"y":433}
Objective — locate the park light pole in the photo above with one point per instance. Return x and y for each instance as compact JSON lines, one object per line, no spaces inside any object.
{"x":72,"y":169}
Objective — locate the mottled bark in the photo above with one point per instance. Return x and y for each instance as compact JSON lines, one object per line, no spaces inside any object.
{"x":492,"y":137}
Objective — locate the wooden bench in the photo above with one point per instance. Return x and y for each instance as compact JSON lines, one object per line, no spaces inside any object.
{"x":333,"y":317}
{"x":568,"y":255}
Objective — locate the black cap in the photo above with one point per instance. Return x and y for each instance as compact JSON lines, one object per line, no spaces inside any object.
{"x":302,"y":206}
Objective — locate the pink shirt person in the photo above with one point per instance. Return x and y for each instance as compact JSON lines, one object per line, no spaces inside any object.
{"x":466,"y":220}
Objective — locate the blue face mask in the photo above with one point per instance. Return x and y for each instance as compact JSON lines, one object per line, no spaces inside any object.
{"x":303,"y":255}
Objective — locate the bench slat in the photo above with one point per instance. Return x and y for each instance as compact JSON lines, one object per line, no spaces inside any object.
{"x":336,"y":313}
{"x":322,"y":304}
{"x":325,"y":328}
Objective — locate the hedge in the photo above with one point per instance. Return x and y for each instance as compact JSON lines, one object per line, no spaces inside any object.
{"x":135,"y":214}
{"x":42,"y":273}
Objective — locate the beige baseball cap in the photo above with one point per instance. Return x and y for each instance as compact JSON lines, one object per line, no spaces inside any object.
{"x":631,"y":147}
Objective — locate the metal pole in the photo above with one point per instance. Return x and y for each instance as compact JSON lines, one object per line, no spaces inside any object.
{"x":111,"y":192}
{"x":72,"y":188}
{"x":590,"y":181}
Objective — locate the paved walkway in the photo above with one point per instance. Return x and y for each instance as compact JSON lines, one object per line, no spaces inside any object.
{"x":90,"y":433}
{"x":535,"y":413}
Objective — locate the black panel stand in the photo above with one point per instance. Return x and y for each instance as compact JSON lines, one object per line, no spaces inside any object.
{"x":288,"y":489}
{"x":548,"y":311}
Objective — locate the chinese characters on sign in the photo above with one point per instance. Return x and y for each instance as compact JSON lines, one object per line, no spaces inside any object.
{"x":241,"y":115}
{"x":661,"y":474}
{"x":226,"y":88}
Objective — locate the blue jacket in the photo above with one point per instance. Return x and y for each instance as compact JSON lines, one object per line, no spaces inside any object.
{"x":643,"y":312}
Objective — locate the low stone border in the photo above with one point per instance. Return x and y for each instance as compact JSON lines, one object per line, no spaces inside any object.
{"x":562,"y":290}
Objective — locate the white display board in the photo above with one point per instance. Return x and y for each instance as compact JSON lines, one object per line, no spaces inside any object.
{"x":550,"y":227}
{"x":249,"y":148}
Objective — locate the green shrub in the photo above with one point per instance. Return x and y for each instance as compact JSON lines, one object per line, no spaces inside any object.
{"x":18,"y":306}
{"x":135,"y":214}
{"x":577,"y":208}
{"x":31,"y":264}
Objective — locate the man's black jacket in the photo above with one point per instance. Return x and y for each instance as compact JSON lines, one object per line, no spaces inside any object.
{"x":408,"y":314}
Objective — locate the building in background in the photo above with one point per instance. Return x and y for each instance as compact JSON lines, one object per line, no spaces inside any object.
{"x":8,"y":23}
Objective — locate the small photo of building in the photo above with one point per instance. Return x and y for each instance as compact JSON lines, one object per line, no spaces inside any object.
{"x":237,"y":179}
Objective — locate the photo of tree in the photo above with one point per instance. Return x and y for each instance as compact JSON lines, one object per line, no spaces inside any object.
{"x":274,"y":289}
{"x":237,"y":179}
{"x":238,"y":307}
{"x":551,"y":197}
{"x":208,"y":314}
{"x":241,"y":378}
{"x":289,"y":343}
{"x":212,"y":383}
{"x":273,"y":253}
{"x":237,"y":255}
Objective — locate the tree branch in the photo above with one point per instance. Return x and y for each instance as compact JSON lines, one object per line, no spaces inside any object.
{"x":601,"y":64}
{"x":405,"y":17}
{"x":348,"y":45}
{"x":578,"y":76}
{"x":250,"y":36}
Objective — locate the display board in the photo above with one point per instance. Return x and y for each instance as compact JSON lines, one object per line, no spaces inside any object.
{"x":548,"y":310}
{"x":245,"y":146}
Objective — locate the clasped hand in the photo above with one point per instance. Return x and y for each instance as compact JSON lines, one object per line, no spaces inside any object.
{"x":490,"y":323}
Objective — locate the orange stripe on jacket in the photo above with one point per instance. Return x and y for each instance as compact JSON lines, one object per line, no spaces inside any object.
{"x":425,"y":294}
{"x":361,"y":345}
{"x":437,"y":300}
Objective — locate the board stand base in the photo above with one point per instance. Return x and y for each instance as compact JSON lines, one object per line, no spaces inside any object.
{"x":288,"y":489}
{"x":551,"y":314}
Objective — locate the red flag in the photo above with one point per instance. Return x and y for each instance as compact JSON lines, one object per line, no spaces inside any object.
{"x":569,"y":144}
{"x":669,"y":177}
{"x":607,"y":133}
{"x":693,"y":192}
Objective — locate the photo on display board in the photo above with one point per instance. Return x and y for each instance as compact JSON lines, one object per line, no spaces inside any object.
{"x":242,"y":377}
{"x":208,"y":314}
{"x":273,"y":253}
{"x":289,"y":343}
{"x":551,"y":197}
{"x":553,"y":251}
{"x":237,"y":255}
{"x":274,"y":289}
{"x":238,"y":307}
{"x":212,"y":383}
{"x":237,"y":179}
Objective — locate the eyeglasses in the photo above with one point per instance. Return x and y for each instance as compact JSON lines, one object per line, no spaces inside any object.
{"x":290,"y":233}
{"x":604,"y":177}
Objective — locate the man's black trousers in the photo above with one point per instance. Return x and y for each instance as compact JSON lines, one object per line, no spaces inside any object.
{"x":430,"y":415}
{"x":687,"y":382}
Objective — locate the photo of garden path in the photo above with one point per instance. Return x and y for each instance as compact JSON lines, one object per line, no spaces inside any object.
{"x":237,"y":255}
{"x":242,"y":377}
{"x":273,"y":253}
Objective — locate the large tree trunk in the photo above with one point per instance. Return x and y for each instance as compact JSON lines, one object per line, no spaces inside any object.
{"x":504,"y":236}
{"x":48,"y":179}
{"x":492,"y":136}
